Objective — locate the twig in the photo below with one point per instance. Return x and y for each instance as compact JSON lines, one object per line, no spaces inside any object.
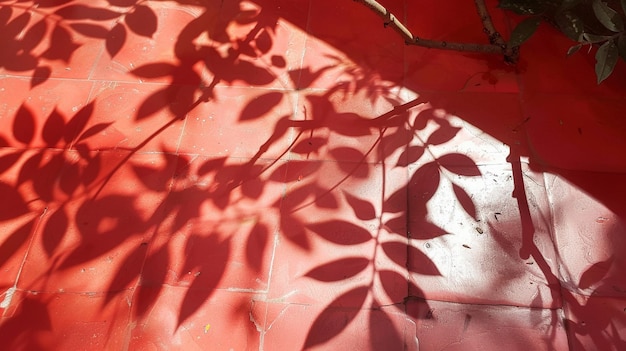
{"x":446,"y":45}
{"x":488,"y":27}
{"x":392,"y":21}
{"x":511,"y":55}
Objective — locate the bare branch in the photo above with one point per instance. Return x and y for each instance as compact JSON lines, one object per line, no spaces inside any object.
{"x":445,"y":45}
{"x":488,"y":27}
{"x":392,"y":21}
{"x":511,"y":55}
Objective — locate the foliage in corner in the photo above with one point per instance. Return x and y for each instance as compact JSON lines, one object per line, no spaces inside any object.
{"x":587,"y":22}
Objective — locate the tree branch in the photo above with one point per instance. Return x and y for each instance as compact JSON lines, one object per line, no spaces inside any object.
{"x":446,"y":45}
{"x":511,"y":55}
{"x":392,"y":21}
{"x":389,"y":19}
{"x":488,"y":27}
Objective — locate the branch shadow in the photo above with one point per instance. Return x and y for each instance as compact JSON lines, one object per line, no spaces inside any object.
{"x":162,"y":218}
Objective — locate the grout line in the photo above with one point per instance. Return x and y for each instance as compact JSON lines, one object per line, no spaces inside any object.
{"x":292,"y":135}
{"x":559,"y":261}
{"x":90,"y":99}
{"x":160,"y":84}
{"x":98,"y":59}
{"x":484,"y":304}
{"x":180,"y":140}
{"x":284,"y":186}
{"x":23,"y":263}
{"x":153,"y":236}
{"x":407,"y":170}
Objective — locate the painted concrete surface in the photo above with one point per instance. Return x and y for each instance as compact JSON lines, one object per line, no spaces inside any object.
{"x":286,"y":175}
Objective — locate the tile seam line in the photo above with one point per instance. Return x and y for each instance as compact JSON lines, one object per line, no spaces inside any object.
{"x":559,"y":265}
{"x":154,"y":232}
{"x":421,"y":299}
{"x":104,"y":292}
{"x":96,"y":62}
{"x":522,"y":103}
{"x":377,"y":308}
{"x":550,"y":170}
{"x":157,"y":83}
{"x":381,"y":307}
{"x":266,"y":291}
{"x":284,"y":187}
{"x":26,"y":254}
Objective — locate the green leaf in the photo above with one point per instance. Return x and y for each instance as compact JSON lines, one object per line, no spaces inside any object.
{"x":593,"y":38}
{"x":570,"y":24}
{"x":606,"y":58}
{"x":621,"y":45}
{"x":607,"y":16}
{"x":574,"y":49}
{"x":524,"y":31}
{"x":568,"y":4}
{"x":523,"y":7}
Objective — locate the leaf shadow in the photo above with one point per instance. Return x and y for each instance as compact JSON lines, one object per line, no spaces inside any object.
{"x":189,"y":188}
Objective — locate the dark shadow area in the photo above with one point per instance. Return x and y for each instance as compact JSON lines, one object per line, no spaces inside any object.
{"x":178,"y":219}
